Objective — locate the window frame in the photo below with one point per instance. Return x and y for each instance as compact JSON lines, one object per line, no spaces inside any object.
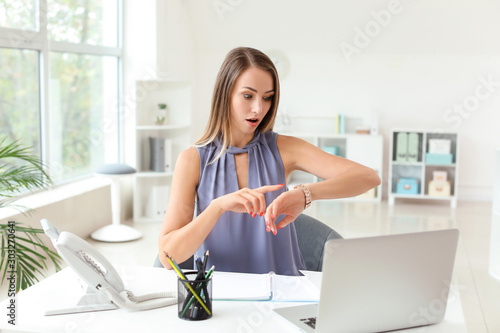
{"x":38,"y":40}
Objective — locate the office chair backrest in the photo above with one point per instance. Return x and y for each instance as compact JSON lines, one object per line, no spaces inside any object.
{"x":311,"y":236}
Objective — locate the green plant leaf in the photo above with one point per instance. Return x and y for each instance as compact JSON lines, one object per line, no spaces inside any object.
{"x":31,"y":255}
{"x":25,"y":254}
{"x":19,"y":171}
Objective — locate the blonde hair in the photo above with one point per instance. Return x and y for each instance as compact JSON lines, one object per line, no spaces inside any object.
{"x":219,"y":124}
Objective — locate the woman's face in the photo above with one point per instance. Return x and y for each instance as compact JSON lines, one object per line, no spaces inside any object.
{"x":251,"y":99}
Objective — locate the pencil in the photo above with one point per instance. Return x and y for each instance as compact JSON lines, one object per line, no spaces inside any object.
{"x":176,"y":267}
{"x":209,"y":273}
{"x":205,"y":260}
{"x":182,"y":276}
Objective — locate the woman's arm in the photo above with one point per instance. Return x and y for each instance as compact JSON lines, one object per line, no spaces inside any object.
{"x":181,"y":235}
{"x":342,"y":178}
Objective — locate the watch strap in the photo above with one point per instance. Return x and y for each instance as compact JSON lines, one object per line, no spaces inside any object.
{"x":307,"y":194}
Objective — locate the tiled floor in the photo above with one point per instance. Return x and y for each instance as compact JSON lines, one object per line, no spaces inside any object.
{"x":480,"y":291}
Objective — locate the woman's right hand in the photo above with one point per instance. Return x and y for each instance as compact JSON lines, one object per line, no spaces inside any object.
{"x":246,"y":200}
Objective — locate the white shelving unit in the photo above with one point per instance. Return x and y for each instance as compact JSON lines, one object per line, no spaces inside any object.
{"x":152,"y":188}
{"x":360,"y":148}
{"x":420,"y":169}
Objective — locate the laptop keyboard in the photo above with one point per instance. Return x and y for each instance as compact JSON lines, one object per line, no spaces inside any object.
{"x":310,"y":322}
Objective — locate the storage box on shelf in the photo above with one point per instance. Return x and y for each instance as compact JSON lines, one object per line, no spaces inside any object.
{"x":161,"y":135}
{"x":408,"y":186}
{"x":366,"y":149}
{"x":426,"y":159}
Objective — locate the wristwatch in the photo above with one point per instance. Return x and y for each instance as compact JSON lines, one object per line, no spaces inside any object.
{"x":307,"y":193}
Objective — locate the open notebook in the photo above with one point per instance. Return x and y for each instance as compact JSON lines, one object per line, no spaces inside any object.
{"x":265,"y":287}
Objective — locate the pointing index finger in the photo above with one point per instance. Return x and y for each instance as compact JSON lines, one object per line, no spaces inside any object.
{"x":269,"y":188}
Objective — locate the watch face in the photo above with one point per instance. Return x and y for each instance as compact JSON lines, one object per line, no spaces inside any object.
{"x":280,"y":61}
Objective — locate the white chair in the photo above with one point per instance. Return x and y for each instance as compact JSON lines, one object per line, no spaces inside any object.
{"x":115,"y":232}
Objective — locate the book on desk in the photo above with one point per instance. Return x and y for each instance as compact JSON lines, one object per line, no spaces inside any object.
{"x":265,"y":287}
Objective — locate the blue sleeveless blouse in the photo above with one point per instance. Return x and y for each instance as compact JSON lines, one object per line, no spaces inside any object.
{"x":239,"y":242}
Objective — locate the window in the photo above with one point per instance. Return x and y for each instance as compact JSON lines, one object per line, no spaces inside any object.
{"x":18,"y":14}
{"x":20,"y":96}
{"x":59,"y":81}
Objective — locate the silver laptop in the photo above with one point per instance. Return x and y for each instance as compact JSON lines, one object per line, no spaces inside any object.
{"x":381,"y":283}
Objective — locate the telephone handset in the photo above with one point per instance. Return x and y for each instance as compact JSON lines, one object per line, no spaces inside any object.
{"x":106,"y":290}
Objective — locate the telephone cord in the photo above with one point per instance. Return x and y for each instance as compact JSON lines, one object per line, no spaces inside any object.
{"x":127,"y":300}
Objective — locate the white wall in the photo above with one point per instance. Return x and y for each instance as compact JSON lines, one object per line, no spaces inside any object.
{"x":157,"y":45}
{"x":413,"y":62}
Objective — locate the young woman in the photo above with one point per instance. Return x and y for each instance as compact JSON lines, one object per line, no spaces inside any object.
{"x":235,"y":178}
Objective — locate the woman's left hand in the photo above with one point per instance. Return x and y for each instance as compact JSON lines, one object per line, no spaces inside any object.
{"x":291,"y":203}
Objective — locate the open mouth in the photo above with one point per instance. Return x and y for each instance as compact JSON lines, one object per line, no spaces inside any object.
{"x":253,"y":120}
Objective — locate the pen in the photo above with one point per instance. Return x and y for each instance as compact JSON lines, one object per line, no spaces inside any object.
{"x":189,"y":296}
{"x":199,"y":276}
{"x":201,"y":267}
{"x":182,"y":276}
{"x":201,"y":271}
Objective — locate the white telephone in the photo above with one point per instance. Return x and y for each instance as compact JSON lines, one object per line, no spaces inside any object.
{"x":106,"y":290}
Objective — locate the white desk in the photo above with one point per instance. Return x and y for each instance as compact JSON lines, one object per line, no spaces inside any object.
{"x":63,"y":290}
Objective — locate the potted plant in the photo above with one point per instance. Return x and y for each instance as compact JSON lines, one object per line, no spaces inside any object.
{"x":162,"y":111}
{"x":24,"y":255}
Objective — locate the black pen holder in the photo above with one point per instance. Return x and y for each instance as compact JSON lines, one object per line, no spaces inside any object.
{"x":197,"y":306}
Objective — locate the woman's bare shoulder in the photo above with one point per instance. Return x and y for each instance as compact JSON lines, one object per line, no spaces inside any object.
{"x":188,"y":163}
{"x":190,"y":154}
{"x":288,"y":142}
